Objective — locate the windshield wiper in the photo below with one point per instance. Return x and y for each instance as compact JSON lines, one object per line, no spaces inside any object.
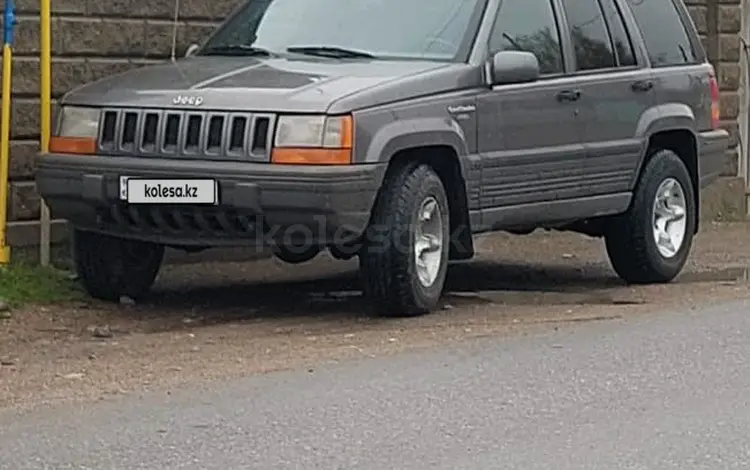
{"x":238,"y":49}
{"x":329,"y":51}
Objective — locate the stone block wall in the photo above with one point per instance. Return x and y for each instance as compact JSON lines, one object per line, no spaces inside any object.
{"x":95,"y":38}
{"x":720,"y":23}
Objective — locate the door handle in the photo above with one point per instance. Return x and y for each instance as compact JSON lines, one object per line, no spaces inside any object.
{"x":642,"y":85}
{"x":569,"y":95}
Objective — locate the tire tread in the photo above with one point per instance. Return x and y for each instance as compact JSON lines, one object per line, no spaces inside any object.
{"x":107,"y":268}
{"x":387,"y":272}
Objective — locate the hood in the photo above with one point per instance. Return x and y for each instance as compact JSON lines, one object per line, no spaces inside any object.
{"x":278,"y":84}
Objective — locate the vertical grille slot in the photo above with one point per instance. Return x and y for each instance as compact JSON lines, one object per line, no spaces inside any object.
{"x":237,"y":134}
{"x":109,"y":130}
{"x":260,"y":135}
{"x":192,"y":133}
{"x":150,"y":131}
{"x":171,"y":133}
{"x":215,"y":134}
{"x":129,"y":131}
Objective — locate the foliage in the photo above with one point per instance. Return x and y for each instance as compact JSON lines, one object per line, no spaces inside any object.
{"x":22,"y":283}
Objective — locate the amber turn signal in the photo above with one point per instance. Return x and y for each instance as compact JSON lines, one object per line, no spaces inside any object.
{"x":308,"y":156}
{"x":72,"y":145}
{"x":347,"y":132}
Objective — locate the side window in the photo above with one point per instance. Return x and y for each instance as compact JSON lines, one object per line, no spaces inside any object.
{"x":589,"y":34}
{"x":663,"y":31}
{"x":620,"y":36}
{"x":529,"y":26}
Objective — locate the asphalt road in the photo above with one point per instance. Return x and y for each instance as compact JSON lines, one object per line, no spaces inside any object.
{"x":662,"y":391}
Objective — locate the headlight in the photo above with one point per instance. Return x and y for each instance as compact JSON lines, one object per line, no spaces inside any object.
{"x":77,"y":131}
{"x":79,"y":122}
{"x":313,"y":140}
{"x":314,"y":132}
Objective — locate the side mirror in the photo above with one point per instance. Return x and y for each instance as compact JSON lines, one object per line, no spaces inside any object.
{"x":191,"y":49}
{"x":514,"y":67}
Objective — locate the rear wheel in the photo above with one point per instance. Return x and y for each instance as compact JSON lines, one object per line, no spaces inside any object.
{"x":111,"y":267}
{"x":651,"y":242}
{"x":405,"y":252}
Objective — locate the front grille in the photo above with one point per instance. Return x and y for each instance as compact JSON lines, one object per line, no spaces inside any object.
{"x":185,"y":134}
{"x":211,"y":222}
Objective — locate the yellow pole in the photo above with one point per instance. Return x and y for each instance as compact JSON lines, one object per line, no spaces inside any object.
{"x":9,"y":22}
{"x":5,"y":153}
{"x":45,"y":91}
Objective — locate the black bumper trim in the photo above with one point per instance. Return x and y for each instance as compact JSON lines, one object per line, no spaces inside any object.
{"x":258,"y":202}
{"x":712,"y":150}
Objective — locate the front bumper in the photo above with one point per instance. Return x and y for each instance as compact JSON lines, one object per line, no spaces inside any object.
{"x":712,"y":154}
{"x":259,"y":203}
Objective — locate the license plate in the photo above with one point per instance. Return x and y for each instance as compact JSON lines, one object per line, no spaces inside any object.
{"x":168,"y":191}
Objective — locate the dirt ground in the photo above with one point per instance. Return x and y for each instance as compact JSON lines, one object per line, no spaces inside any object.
{"x":222,"y":320}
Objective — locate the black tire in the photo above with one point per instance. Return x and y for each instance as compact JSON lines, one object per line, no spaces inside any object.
{"x":630,"y":240}
{"x":110,"y":267}
{"x":387,"y":263}
{"x":296,"y":255}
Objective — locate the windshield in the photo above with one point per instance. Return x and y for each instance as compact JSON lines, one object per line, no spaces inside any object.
{"x":409,"y":29}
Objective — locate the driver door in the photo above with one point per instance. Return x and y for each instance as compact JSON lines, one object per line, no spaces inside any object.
{"x":530,"y":137}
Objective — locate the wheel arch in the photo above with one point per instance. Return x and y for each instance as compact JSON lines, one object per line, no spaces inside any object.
{"x":671,"y":126}
{"x":684,"y":143}
{"x":445,"y":161}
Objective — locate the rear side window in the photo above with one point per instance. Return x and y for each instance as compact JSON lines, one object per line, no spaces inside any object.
{"x":588,"y":31}
{"x":663,"y":31}
{"x":620,"y":37}
{"x":529,"y":26}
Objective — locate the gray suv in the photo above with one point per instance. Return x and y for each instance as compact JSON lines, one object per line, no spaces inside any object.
{"x":394,"y":131}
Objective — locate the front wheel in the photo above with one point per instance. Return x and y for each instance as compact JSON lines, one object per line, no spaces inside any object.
{"x":111,"y":267}
{"x":651,"y":242}
{"x":404,"y":256}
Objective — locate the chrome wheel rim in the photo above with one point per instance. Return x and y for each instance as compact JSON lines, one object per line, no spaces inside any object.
{"x":670,"y":217}
{"x":428,"y":241}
